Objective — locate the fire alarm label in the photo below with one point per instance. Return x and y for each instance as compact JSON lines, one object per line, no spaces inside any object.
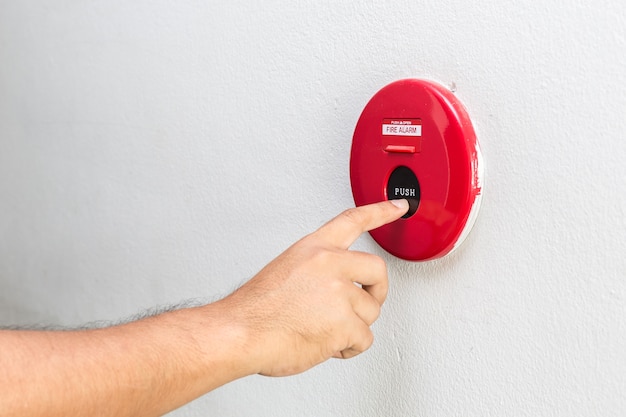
{"x":402,"y":127}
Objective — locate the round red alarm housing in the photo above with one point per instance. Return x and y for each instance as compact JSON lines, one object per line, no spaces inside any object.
{"x":414,"y":140}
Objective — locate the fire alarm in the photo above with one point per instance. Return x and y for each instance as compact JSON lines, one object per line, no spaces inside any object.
{"x":415,"y":140}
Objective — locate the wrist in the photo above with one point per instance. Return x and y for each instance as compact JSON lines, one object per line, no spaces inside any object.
{"x":225,"y":340}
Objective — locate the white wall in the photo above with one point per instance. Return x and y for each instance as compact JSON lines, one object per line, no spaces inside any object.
{"x":155,"y":151}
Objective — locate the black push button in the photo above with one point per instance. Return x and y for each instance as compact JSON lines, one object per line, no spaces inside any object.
{"x":403,"y":184}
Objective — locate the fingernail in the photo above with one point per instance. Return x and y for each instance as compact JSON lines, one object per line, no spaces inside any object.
{"x":402,"y":203}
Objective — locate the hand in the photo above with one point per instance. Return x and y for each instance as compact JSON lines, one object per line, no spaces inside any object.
{"x":317,"y":299}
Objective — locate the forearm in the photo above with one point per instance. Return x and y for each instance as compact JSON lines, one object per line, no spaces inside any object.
{"x":144,"y":368}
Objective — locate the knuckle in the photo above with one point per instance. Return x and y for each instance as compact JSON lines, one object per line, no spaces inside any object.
{"x":368,"y":340}
{"x":375,"y":312}
{"x":372,"y":313}
{"x":322,"y":257}
{"x":379,"y":267}
{"x":378,"y":264}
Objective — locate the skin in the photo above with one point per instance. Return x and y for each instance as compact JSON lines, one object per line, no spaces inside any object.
{"x":315,"y":301}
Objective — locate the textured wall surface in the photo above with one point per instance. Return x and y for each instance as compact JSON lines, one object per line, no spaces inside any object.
{"x":154,"y":151}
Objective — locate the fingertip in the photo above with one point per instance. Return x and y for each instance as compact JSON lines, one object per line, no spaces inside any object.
{"x":401,"y":204}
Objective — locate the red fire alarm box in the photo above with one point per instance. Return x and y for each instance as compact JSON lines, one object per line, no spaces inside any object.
{"x":415,"y":140}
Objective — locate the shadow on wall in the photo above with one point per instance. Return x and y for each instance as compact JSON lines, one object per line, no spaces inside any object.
{"x":17,"y":314}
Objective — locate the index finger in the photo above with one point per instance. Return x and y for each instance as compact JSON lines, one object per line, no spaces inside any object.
{"x":344,"y":229}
